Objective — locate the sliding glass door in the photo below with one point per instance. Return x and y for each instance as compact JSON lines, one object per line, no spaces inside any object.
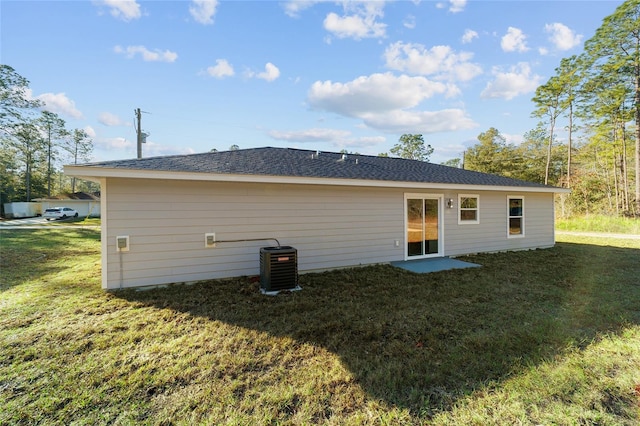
{"x":423,"y":226}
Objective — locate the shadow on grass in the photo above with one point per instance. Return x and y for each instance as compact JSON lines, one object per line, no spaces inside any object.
{"x":26,"y":254}
{"x":423,"y":341}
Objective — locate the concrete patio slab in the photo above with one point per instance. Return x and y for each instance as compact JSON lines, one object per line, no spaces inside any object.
{"x":425,"y":266}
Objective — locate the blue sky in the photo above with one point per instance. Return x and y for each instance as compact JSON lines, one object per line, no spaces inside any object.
{"x":320,"y":75}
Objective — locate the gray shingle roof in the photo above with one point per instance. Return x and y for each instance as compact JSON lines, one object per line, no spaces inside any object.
{"x":311,"y":164}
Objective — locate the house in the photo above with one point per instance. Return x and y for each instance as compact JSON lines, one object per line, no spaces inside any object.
{"x":86,"y":204}
{"x":205,"y":216}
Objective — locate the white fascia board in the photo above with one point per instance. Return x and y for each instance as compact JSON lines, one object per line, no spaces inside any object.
{"x":93,"y":173}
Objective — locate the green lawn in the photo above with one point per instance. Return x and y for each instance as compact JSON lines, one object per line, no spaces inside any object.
{"x":88,"y":221}
{"x":600,"y":223}
{"x":539,"y":337}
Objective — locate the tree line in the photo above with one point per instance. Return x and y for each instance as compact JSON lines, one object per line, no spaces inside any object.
{"x":34,"y":143}
{"x":595,"y":98}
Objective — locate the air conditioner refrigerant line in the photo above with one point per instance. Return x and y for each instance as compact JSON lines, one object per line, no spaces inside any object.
{"x":248,"y":240}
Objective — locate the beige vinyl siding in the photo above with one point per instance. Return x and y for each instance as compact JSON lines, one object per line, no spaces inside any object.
{"x":330,"y":226}
{"x":166,"y":222}
{"x":491,"y":233}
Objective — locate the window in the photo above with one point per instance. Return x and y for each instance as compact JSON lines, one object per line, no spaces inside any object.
{"x":468,"y":209}
{"x":515,"y":227}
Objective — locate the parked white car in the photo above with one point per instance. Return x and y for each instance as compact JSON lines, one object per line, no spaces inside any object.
{"x":59,"y":213}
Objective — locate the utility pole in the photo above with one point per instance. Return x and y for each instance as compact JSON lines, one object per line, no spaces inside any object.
{"x":139,"y":131}
{"x":141,"y":137}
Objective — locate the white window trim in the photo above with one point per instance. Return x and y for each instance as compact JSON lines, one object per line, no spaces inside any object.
{"x":523,"y":217}
{"x":477,"y":209}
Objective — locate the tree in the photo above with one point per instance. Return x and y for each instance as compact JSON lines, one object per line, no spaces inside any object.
{"x":453,"y":162}
{"x":28,"y":145}
{"x":53,"y":128}
{"x":614,"y":50}
{"x":570,"y":77}
{"x":527,"y":161}
{"x":490,"y":155}
{"x":531,"y":160}
{"x":79,"y":146}
{"x":18,"y":136}
{"x":412,"y":147}
{"x":604,"y":107}
{"x":9,"y":182}
{"x":552,"y":100}
{"x":15,"y":105}
{"x":594,"y":189}
{"x":548,"y":99}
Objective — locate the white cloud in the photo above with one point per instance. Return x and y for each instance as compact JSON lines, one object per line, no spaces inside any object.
{"x":112,"y":144}
{"x":562,"y":37}
{"x":293,"y":7}
{"x":439,"y":61}
{"x":203,"y":10}
{"x":409,"y":22}
{"x":399,"y":121}
{"x":365,"y":141}
{"x":512,"y":138}
{"x":311,"y":135}
{"x":221,"y":69}
{"x":382,"y":101}
{"x":111,"y":120}
{"x":126,"y":146}
{"x":359,"y":20}
{"x":353,"y":26}
{"x":59,"y":103}
{"x":514,"y":41}
{"x":468,"y":36}
{"x":90,"y":131}
{"x":337,"y":138}
{"x":151,"y":149}
{"x":125,"y":10}
{"x":507,"y":85}
{"x":377,"y":92}
{"x":456,"y":6}
{"x":271,"y":73}
{"x":147,"y":55}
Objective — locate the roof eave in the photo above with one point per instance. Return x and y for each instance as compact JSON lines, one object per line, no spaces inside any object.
{"x":97,"y":173}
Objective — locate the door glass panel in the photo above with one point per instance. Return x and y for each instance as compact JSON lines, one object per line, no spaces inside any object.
{"x":422,"y":226}
{"x":414,"y":228}
{"x":431,"y":226}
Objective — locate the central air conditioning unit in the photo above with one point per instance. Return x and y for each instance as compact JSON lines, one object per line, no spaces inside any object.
{"x":278,"y":269}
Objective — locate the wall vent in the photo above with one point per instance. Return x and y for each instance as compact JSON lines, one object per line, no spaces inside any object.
{"x":278,"y":269}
